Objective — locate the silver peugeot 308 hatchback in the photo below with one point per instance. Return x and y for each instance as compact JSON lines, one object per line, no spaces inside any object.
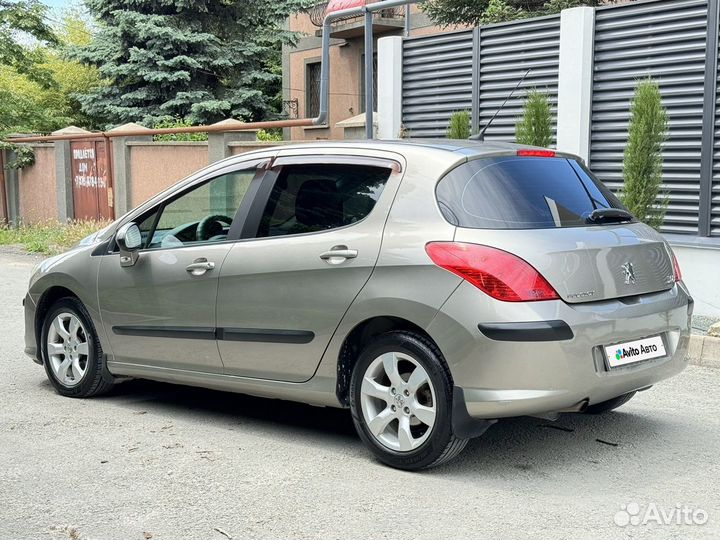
{"x":430,"y":287}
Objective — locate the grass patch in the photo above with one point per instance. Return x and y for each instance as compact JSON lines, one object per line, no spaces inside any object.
{"x":50,"y":237}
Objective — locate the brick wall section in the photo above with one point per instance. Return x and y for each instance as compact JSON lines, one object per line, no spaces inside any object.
{"x":155,"y":166}
{"x":242,"y":147}
{"x":38,"y":199}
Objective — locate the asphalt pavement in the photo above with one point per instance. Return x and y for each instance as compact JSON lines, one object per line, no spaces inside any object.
{"x":159,"y":461}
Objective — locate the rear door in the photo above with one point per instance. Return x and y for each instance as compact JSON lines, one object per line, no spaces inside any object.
{"x":536,"y":208}
{"x":306,"y":254}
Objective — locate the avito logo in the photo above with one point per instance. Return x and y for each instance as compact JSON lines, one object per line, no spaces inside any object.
{"x":635,"y":351}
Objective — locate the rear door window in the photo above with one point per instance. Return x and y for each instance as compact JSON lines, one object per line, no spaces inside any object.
{"x":512,"y":192}
{"x":316,"y":197}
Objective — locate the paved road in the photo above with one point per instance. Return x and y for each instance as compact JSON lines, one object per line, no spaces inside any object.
{"x":177,"y":462}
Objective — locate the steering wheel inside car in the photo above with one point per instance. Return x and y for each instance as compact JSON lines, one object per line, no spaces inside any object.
{"x":211,"y":226}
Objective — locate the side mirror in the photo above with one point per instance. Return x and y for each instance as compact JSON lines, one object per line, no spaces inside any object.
{"x":129,"y":240}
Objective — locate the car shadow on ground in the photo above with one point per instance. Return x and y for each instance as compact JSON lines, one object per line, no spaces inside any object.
{"x":512,"y":445}
{"x":231,"y":409}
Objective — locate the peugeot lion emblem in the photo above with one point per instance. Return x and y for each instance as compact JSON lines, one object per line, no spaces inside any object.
{"x":629,"y":272}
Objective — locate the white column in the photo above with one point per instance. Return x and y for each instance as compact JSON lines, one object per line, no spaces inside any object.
{"x":389,"y":102}
{"x":577,"y":35}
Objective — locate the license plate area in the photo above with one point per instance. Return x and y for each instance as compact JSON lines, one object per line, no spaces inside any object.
{"x":632,"y":352}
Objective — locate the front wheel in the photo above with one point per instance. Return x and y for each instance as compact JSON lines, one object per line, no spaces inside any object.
{"x":71,"y":351}
{"x":401,"y":402}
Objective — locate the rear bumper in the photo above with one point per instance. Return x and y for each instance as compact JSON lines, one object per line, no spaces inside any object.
{"x":504,"y":378}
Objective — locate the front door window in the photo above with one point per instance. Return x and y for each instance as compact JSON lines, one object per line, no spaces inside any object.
{"x":201,"y":215}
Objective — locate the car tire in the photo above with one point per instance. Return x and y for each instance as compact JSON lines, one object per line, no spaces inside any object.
{"x":609,"y":405}
{"x":71,"y":351}
{"x":424,"y":385}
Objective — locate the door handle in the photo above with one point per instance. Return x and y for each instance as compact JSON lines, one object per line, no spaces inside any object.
{"x":338,"y":254}
{"x":199,"y":266}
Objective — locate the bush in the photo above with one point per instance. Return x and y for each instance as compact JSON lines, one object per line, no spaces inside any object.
{"x":535,"y":127}
{"x":171,"y":122}
{"x":271,"y":135}
{"x":642,"y":163}
{"x":24,"y":155}
{"x":459,"y":127}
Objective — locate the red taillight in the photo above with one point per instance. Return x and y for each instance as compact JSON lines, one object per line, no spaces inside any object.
{"x":535,"y":153}
{"x":676,"y":269}
{"x":495,"y":272}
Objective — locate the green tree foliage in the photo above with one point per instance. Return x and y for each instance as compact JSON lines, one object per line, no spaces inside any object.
{"x":556,"y":6}
{"x":202,"y":61}
{"x":642,"y":164}
{"x":535,"y":126}
{"x":500,"y":11}
{"x":459,"y":127}
{"x":31,"y":106}
{"x":21,"y":114}
{"x":37,"y":81}
{"x":73,"y":78}
{"x":477,"y":12}
{"x":19,"y":21}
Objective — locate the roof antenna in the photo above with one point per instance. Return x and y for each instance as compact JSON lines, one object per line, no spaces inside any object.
{"x":481,"y":136}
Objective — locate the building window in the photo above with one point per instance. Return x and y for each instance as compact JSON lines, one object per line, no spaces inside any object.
{"x":312,"y":89}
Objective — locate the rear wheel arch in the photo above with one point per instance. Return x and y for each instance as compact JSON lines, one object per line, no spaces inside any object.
{"x":359,"y":337}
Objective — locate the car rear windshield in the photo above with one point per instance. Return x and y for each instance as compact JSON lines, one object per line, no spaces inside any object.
{"x":513,"y":192}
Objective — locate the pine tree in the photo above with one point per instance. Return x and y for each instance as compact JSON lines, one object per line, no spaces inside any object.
{"x":642,"y":163}
{"x":201,"y":61}
{"x":535,"y":127}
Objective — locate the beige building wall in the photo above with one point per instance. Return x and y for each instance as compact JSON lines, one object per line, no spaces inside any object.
{"x":38,"y":198}
{"x":155,"y":166}
{"x":346,"y":66}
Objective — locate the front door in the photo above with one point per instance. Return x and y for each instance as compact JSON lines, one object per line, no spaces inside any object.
{"x":161,"y":311}
{"x":283,"y":292}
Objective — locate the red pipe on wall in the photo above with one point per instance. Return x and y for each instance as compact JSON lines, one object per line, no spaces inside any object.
{"x":215,"y":128}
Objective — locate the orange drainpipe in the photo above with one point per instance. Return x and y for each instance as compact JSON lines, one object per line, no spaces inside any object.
{"x":225,"y":127}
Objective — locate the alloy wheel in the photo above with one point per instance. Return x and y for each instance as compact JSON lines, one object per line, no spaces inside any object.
{"x":398,"y":401}
{"x":68,"y":349}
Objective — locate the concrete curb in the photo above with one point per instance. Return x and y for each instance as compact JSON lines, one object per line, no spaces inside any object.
{"x":704,"y":351}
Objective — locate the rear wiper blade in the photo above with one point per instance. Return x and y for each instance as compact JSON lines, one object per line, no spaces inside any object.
{"x":609,"y":215}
